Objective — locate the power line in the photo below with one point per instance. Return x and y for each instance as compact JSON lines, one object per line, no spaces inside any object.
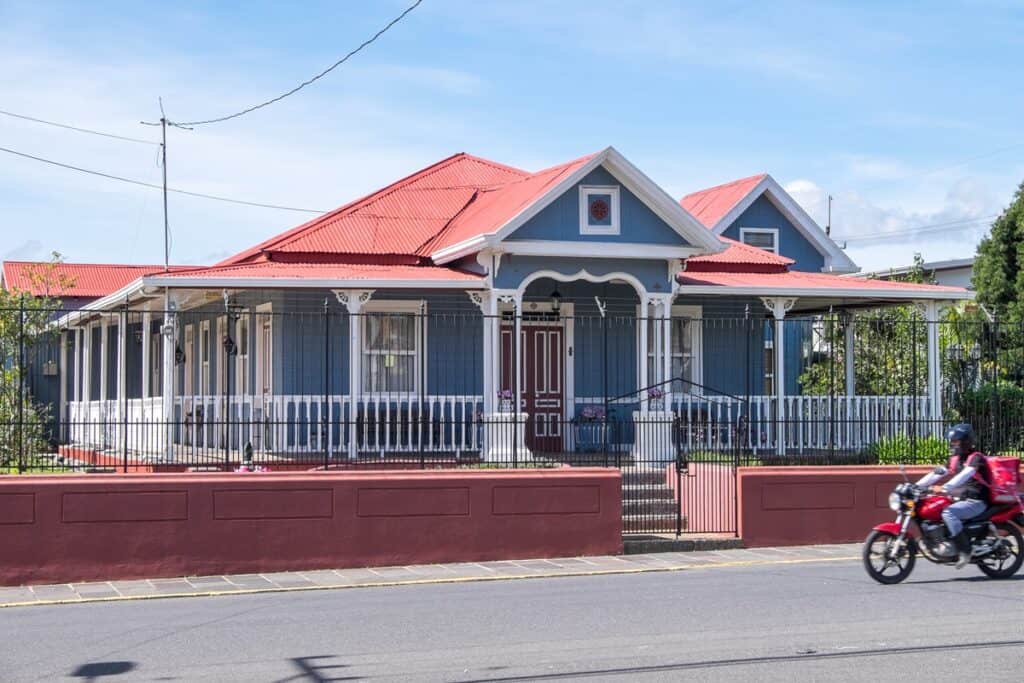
{"x":302,"y":85}
{"x":155,"y":186}
{"x":934,"y":227}
{"x":76,"y":128}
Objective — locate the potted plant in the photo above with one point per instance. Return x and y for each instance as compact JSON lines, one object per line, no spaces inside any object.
{"x":656,"y":398}
{"x":590,"y":428}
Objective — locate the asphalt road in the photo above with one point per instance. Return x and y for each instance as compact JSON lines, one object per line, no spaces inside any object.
{"x":815,"y":621}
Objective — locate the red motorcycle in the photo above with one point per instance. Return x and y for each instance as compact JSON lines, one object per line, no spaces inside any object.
{"x":892,"y":548}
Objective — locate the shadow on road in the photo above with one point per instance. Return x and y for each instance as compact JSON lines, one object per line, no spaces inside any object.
{"x":810,"y":655}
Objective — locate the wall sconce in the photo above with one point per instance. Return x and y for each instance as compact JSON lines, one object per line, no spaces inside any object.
{"x":556,"y":301}
{"x":179,"y":355}
{"x":230,"y":347}
{"x":138,"y":336}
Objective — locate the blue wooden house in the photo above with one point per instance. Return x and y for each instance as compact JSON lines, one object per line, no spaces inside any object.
{"x":477,"y":309}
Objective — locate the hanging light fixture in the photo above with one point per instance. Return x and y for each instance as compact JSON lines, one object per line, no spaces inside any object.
{"x":556,"y":300}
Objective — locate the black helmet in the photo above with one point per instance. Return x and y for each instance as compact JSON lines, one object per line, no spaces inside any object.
{"x":962,"y":433}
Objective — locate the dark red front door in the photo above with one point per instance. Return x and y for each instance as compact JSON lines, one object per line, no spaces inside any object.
{"x":542,"y":383}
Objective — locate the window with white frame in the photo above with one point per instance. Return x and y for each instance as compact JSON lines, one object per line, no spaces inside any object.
{"x":264,"y":349}
{"x":156,"y":354}
{"x":684,"y":348}
{"x":393,"y":346}
{"x":762,"y":238}
{"x":242,"y":359}
{"x":599,"y":209}
{"x":769,"y":367}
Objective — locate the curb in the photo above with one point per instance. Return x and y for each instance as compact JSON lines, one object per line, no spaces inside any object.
{"x":421,"y":582}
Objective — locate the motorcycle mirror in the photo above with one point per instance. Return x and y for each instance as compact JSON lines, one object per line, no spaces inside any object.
{"x":941,"y":471}
{"x":903,"y":471}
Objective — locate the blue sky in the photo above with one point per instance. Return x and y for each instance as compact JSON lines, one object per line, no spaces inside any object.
{"x":909,"y":115}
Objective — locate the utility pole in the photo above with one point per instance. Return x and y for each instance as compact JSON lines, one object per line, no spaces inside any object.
{"x":828,"y":225}
{"x":163,"y":166}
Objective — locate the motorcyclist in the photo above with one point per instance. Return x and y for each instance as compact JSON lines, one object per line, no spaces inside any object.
{"x":969,"y":482}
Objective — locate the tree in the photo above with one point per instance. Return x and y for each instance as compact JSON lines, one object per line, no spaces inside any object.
{"x":998,"y":272}
{"x":890,"y":349}
{"x":25,"y":323}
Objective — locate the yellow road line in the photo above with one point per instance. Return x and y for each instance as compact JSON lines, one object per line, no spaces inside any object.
{"x":421,"y":582}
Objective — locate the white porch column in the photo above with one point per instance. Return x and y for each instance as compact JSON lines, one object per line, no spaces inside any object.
{"x":663,"y":343}
{"x":489,"y":310}
{"x":62,"y":376}
{"x":76,"y":387}
{"x":353,"y":300}
{"x":147,"y":323}
{"x":505,"y":432}
{"x":122,"y":376}
{"x":104,"y":341}
{"x":87,"y":363}
{"x":642,"y":380}
{"x":779,"y":307}
{"x":932,"y":310}
{"x":167,"y":331}
{"x":848,"y":357}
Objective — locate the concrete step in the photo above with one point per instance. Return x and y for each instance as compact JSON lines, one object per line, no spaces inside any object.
{"x":669,"y":543}
{"x":646,"y":492}
{"x":663,"y":523}
{"x":649,"y":508}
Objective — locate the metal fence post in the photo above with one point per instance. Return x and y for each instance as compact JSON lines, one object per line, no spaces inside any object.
{"x":325,"y":423}
{"x":21,"y":384}
{"x":421,"y":349}
{"x":122,"y":383}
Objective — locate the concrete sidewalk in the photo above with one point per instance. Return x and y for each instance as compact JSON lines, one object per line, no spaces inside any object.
{"x":195,"y":586}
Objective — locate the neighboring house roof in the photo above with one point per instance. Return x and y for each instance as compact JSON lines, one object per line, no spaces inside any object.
{"x":929,"y":266}
{"x":794,"y":283}
{"x":84,"y":280}
{"x":718,"y":207}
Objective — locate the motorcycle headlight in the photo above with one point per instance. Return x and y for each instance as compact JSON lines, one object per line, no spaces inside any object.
{"x":894,"y":501}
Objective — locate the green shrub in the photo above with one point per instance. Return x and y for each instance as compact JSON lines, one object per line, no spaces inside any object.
{"x":901,"y":449}
{"x":996,"y":410}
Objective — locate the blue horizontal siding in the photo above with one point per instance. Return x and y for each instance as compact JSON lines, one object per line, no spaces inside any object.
{"x":792,"y":244}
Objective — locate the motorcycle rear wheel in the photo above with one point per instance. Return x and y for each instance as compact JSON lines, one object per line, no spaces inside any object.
{"x":1004,"y":565}
{"x":879,"y":565}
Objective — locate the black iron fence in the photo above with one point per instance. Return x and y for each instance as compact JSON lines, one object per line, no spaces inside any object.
{"x":270,"y":387}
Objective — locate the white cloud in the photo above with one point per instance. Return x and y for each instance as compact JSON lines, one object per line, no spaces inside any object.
{"x":879,"y":237}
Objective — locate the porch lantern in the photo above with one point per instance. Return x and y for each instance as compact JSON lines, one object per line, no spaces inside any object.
{"x":179,"y":355}
{"x":556,"y":301}
{"x":230,"y":347}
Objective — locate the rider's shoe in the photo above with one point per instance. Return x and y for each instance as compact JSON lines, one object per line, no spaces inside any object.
{"x":963,"y":546}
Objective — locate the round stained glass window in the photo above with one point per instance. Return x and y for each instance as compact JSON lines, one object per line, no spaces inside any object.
{"x":599,"y":209}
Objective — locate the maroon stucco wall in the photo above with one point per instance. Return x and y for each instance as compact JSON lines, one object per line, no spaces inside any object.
{"x":100,"y":527}
{"x":805,"y":505}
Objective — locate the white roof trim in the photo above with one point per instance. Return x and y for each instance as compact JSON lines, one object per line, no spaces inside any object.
{"x":836,"y":260}
{"x":597,"y":249}
{"x":828,"y":292}
{"x":656,"y":199}
{"x":116,"y":298}
{"x":308,"y":283}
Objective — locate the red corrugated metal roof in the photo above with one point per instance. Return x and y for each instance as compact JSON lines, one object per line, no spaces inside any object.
{"x":85,"y":280}
{"x":496,"y":206}
{"x":739,"y":255}
{"x":398,"y":219}
{"x":795,"y":281}
{"x":327,"y":271}
{"x":709,"y":205}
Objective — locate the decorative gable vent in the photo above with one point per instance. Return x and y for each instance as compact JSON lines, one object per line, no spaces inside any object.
{"x":599,"y":209}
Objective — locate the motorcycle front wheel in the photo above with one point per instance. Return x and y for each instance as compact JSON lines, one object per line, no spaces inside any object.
{"x":878,"y":561}
{"x":1004,"y":563}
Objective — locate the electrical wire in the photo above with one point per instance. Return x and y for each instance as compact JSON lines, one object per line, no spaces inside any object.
{"x":80,"y":130}
{"x":155,"y":186}
{"x":302,"y":85}
{"x":934,"y":227}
